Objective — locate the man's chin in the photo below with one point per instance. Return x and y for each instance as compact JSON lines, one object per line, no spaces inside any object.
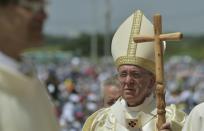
{"x":131,"y":100}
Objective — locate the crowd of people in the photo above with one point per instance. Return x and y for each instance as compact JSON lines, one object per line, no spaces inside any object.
{"x":184,"y":81}
{"x":75,"y":86}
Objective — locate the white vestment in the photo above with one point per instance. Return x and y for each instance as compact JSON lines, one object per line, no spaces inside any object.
{"x":24,"y":102}
{"x":195,"y":120}
{"x":119,"y":117}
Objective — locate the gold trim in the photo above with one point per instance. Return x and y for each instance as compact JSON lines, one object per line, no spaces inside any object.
{"x":131,"y":57}
{"x":132,"y":46}
{"x":138,"y":61}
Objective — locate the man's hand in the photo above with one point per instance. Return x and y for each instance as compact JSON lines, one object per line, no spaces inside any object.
{"x":166,"y":127}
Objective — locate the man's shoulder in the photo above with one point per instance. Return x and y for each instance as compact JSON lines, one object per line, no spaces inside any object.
{"x":14,"y":81}
{"x":198,"y":109}
{"x":8,"y":72}
{"x":98,"y":116}
{"x":199,"y":106}
{"x":99,"y":113}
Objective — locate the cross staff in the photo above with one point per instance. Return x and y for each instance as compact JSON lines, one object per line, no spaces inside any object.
{"x":158,"y":47}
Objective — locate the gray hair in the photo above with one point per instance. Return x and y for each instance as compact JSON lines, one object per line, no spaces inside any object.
{"x":111,"y":81}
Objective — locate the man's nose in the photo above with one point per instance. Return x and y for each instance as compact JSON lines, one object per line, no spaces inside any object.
{"x":40,"y":15}
{"x":128,"y":79}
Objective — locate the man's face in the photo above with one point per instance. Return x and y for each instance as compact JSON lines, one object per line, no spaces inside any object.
{"x":111,"y":94}
{"x":21,"y":27}
{"x":136,"y":82}
{"x":35,"y":10}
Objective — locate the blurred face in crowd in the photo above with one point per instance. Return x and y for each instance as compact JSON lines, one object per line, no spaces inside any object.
{"x":36,"y":10}
{"x":111,"y":94}
{"x":21,"y":26}
{"x":136,"y":82}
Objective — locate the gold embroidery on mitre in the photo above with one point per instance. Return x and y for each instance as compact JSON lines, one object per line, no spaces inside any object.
{"x":132,"y":46}
{"x":133,"y":60}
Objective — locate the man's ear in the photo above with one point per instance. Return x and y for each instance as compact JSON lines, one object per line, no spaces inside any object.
{"x":152,"y":81}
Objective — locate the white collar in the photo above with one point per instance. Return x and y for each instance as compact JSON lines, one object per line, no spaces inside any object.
{"x":120,"y":110}
{"x":8,"y":62}
{"x":145,"y":106}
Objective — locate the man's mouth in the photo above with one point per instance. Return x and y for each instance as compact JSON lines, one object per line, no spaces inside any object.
{"x":129,"y":90}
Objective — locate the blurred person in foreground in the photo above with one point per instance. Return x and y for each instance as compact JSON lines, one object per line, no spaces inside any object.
{"x":136,"y":109}
{"x":195,"y":120}
{"x":24,"y":102}
{"x":110,"y":91}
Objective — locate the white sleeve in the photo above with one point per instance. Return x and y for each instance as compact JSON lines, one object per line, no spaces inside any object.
{"x":195,"y":120}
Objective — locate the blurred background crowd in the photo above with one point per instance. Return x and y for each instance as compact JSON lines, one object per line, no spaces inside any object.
{"x":75,"y":85}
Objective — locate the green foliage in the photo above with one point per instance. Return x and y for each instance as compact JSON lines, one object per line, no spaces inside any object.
{"x":192,"y":46}
{"x":78,"y":46}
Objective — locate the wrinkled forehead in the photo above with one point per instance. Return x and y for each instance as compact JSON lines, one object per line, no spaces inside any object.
{"x":130,"y":67}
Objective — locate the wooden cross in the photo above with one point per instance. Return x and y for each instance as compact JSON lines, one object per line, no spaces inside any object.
{"x":158,"y":47}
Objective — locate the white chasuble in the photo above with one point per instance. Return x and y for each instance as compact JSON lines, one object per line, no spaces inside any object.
{"x":120,"y":117}
{"x":24,"y":102}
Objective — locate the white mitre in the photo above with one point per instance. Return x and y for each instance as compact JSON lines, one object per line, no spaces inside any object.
{"x":126,"y":51}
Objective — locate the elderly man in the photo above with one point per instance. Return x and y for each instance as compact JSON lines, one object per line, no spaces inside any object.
{"x":135,"y":110}
{"x":110,"y":91}
{"x":24,"y":102}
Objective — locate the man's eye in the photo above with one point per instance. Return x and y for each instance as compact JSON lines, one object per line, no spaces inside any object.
{"x":136,"y":75}
{"x":123,"y":74}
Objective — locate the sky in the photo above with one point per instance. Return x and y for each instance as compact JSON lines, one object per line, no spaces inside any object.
{"x":71,"y":17}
